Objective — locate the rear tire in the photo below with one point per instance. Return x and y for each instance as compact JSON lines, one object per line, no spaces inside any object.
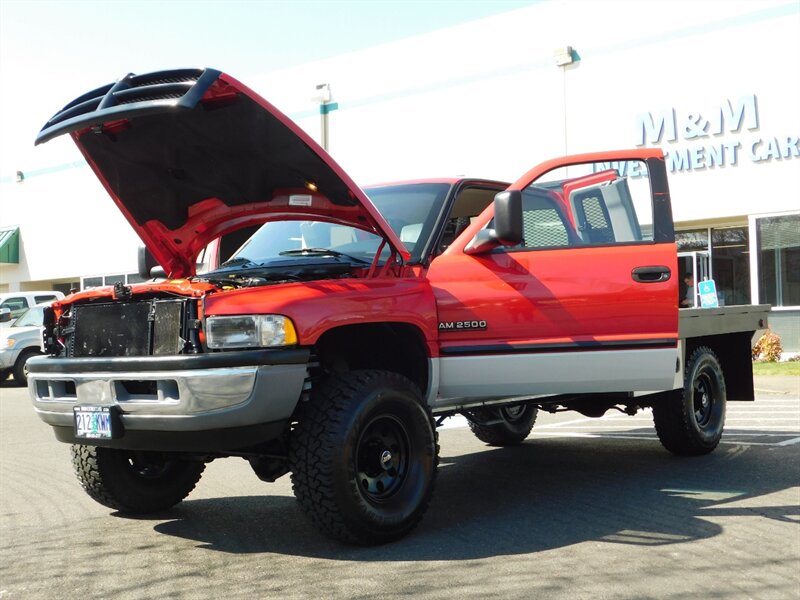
{"x":134,"y":482}
{"x":504,"y":426}
{"x":363,"y":457}
{"x":689,"y":422}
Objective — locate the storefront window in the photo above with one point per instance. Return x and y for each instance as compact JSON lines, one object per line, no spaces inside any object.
{"x":112,"y":279}
{"x":721,"y":254}
{"x":101,"y":280}
{"x":90,"y":282}
{"x":779,"y":260}
{"x":730,"y":256}
{"x":691,"y":241}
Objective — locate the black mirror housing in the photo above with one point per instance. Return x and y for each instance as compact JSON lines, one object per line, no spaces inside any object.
{"x":147,"y":262}
{"x":508,"y":218}
{"x":507,"y":229}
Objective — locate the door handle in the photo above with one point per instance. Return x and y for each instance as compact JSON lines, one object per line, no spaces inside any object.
{"x":655,"y":274}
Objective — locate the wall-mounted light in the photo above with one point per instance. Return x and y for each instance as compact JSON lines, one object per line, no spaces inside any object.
{"x":20,"y":176}
{"x":564,"y":56}
{"x":322,"y":93}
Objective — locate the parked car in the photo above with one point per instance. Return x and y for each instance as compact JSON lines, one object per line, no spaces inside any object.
{"x":19,"y":302}
{"x":19,"y":342}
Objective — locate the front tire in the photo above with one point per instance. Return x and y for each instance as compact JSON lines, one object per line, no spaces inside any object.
{"x":20,"y":370}
{"x":363,"y":457}
{"x":134,"y":482}
{"x":689,"y":422}
{"x":503,"y":426}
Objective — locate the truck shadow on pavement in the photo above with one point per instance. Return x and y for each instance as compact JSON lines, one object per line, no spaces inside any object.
{"x":545,"y":494}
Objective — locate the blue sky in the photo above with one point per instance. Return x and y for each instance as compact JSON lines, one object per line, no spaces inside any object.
{"x":53,"y":51}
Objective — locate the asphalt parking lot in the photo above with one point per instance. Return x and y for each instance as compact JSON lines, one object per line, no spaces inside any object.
{"x":585,"y":508}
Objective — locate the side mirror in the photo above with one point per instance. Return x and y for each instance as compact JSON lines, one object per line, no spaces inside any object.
{"x":5,"y":315}
{"x":148,"y":267}
{"x":507,"y":229}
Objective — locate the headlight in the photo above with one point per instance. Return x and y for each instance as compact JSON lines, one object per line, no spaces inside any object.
{"x":249,"y":331}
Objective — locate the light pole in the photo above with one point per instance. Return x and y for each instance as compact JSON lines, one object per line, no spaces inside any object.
{"x":323,"y":96}
{"x":564,"y":58}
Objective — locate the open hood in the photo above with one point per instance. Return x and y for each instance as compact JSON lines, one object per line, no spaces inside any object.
{"x":191,"y":154}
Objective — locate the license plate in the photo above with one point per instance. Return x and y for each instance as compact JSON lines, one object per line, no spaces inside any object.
{"x":93,"y":422}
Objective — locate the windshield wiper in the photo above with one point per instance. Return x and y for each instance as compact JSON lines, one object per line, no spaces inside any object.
{"x":239,"y":261}
{"x":322,"y":252}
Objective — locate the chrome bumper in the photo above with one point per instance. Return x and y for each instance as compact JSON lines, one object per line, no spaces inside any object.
{"x":176,"y":393}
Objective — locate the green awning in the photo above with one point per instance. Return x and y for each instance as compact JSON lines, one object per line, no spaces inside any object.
{"x":9,"y":245}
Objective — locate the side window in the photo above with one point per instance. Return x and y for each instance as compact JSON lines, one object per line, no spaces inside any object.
{"x":602,"y":203}
{"x":592,"y":214}
{"x":15,"y":304}
{"x":40,"y":299}
{"x":470,"y":202}
{"x":543,"y":224}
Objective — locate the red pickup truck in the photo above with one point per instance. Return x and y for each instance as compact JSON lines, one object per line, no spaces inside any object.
{"x":337,"y":327}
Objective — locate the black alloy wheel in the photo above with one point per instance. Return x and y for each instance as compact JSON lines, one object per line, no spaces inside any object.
{"x":382,"y":458}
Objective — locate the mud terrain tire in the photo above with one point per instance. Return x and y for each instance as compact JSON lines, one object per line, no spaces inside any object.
{"x":134,"y":482}
{"x":689,"y":422}
{"x":363,"y":457}
{"x":504,"y":426}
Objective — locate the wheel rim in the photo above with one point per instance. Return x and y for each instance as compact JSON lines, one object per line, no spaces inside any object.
{"x":148,"y":466}
{"x":703,"y":397}
{"x":513,"y":413}
{"x":382,"y":458}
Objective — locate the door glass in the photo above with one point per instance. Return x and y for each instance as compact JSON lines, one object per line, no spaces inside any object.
{"x":589,"y":204}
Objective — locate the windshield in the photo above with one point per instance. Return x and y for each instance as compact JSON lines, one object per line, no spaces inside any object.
{"x":31,"y":317}
{"x":410,"y":209}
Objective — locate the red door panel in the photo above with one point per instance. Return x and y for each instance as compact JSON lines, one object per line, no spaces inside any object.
{"x":554,"y":297}
{"x":581,"y":286}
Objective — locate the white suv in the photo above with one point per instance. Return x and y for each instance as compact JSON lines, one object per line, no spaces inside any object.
{"x":19,"y":342}
{"x":17,"y":303}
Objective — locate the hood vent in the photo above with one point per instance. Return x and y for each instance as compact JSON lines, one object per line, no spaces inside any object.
{"x":133,"y":95}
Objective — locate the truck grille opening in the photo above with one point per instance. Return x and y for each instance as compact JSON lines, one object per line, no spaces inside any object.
{"x":155,"y":390}
{"x":148,"y":328}
{"x":139,"y":388}
{"x":54,"y":389}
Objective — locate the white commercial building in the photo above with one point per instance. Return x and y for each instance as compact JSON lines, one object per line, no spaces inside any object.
{"x":716,"y":85}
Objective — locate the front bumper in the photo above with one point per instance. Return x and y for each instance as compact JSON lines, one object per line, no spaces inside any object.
{"x":172,"y":397}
